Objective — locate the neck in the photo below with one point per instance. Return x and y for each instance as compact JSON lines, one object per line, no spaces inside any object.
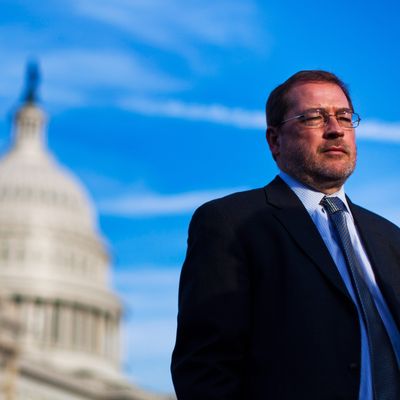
{"x":326,"y":187}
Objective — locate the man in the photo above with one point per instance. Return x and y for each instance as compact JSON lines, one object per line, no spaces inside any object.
{"x":292,"y":291}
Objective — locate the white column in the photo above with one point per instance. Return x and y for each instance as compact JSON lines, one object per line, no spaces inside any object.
{"x":65,"y":325}
{"x":102,"y":334}
{"x":45,"y":326}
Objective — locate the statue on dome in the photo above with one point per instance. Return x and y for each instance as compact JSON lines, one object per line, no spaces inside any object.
{"x":32,"y":80}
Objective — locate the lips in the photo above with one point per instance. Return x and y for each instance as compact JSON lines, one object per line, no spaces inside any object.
{"x":335,"y":149}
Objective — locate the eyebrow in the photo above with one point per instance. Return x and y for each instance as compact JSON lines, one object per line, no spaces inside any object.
{"x":324,"y":109}
{"x":344,"y":109}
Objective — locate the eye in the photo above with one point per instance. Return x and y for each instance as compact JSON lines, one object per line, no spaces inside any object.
{"x":313,"y":117}
{"x":345,"y":118}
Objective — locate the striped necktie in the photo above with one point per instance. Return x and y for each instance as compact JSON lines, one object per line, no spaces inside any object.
{"x":385,"y":371}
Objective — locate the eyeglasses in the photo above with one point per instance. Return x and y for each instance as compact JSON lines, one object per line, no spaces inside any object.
{"x":318,"y":118}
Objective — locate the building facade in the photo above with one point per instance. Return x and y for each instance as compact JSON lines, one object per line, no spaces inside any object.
{"x":55,"y":292}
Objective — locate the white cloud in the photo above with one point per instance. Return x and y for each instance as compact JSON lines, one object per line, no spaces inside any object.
{"x":216,"y":113}
{"x":82,"y":76}
{"x":78,"y":68}
{"x":242,"y":118}
{"x":379,"y":130}
{"x":152,"y":204}
{"x":191,"y":29}
{"x":178,"y":26}
{"x":75,"y":75}
{"x":113,"y":69}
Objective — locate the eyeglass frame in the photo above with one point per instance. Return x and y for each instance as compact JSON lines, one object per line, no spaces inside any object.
{"x":326,"y":116}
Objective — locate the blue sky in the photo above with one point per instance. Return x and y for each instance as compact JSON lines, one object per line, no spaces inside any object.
{"x":157,"y":106}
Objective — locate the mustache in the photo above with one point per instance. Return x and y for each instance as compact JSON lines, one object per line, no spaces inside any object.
{"x":335,"y":143}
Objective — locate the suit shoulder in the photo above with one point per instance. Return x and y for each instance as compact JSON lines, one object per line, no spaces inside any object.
{"x":238,"y":203}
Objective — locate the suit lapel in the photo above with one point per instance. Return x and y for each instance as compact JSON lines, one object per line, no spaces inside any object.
{"x":386,"y":268}
{"x":294,"y":217}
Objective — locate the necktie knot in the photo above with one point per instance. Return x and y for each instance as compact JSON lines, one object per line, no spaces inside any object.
{"x":332,"y":204}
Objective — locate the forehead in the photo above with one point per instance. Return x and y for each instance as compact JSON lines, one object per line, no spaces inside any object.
{"x":316,"y":94}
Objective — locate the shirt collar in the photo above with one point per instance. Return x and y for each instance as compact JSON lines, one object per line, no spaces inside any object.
{"x":308,"y":196}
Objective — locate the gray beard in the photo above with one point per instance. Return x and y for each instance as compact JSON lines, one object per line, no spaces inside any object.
{"x":317,"y":176}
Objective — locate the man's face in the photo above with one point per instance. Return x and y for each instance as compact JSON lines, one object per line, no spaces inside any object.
{"x":322,"y":158}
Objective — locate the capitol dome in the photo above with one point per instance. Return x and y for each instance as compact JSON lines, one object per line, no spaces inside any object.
{"x":54,"y":265}
{"x":36,"y":186}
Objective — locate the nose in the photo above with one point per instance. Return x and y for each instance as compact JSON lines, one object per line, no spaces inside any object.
{"x":332,"y":127}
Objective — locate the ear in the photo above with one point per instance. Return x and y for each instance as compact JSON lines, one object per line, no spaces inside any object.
{"x":273,"y":139}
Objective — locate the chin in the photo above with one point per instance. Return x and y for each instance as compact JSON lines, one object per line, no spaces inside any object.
{"x":336,"y":170}
{"x":334,"y":175}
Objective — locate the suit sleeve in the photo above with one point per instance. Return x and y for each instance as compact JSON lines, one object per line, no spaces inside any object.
{"x":209,"y":358}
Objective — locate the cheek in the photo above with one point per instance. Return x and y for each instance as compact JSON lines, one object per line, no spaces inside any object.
{"x":352,"y":137}
{"x":352,"y":143}
{"x":308,"y":144}
{"x":300,"y":142}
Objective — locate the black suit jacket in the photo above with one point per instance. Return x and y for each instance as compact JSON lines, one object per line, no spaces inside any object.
{"x":263,"y":311}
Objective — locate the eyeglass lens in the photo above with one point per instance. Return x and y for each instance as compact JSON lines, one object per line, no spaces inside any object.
{"x":319,"y":118}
